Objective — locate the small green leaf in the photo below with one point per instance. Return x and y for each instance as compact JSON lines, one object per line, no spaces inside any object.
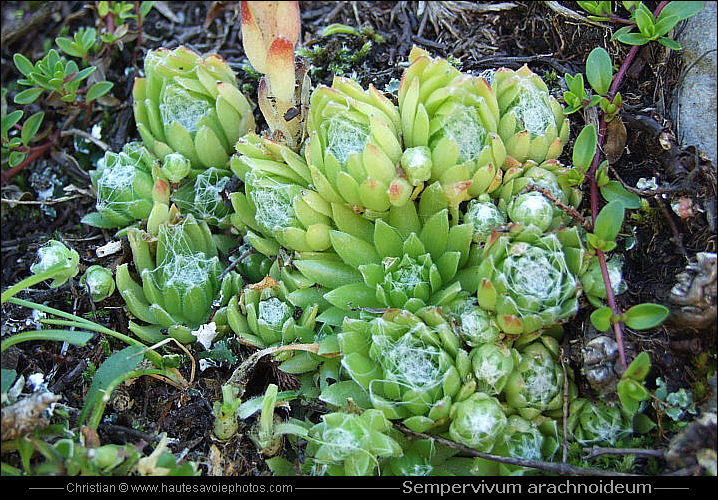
{"x":642,"y":424}
{"x":609,"y":221}
{"x":10,"y":120}
{"x":96,"y":219}
{"x":639,"y":367}
{"x":671,"y":44}
{"x":70,"y":68}
{"x":338,"y":393}
{"x":601,"y":318}
{"x":632,"y":38}
{"x":595,"y":100}
{"x":621,"y":32}
{"x":108,"y":38}
{"x":8,"y":378}
{"x":28,"y":96}
{"x":279,"y":466}
{"x":599,"y":70}
{"x":73,"y":337}
{"x":69,"y":47}
{"x":252,"y":406}
{"x":602,"y":174}
{"x":665,"y":25}
{"x":88,"y":37}
{"x":31,"y":126}
{"x":584,"y":149}
{"x":145,"y":8}
{"x":645,"y":21}
{"x":23,"y":64}
{"x":645,"y":316}
{"x":15,"y":158}
{"x":614,"y":191}
{"x":81,"y":75}
{"x":575,"y":84}
{"x":97,"y":90}
{"x":301,"y":362}
{"x":629,"y":403}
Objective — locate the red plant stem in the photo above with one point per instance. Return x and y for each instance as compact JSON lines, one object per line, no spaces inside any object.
{"x":35,"y":153}
{"x":620,"y":20}
{"x":110,"y":20}
{"x":610,"y":297}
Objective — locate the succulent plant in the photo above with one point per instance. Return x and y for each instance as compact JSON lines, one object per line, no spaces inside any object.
{"x":347,"y":444}
{"x":281,"y":214}
{"x":474,"y":325}
{"x":485,"y":216}
{"x":531,"y":440}
{"x":354,"y":147}
{"x":596,"y":423}
{"x":530,"y":280}
{"x":393,"y":262}
{"x":262,"y":316}
{"x":593,"y":284}
{"x":100,"y":282}
{"x":263,"y":156}
{"x":202,"y":197}
{"x":478,"y":421}
{"x":280,"y":310}
{"x":426,"y":457}
{"x":454,"y":117}
{"x":277,"y":206}
{"x":124,"y":186}
{"x":55,"y":262}
{"x":532,"y":124}
{"x":424,"y":240}
{"x":536,"y":385}
{"x":412,"y":366}
{"x":526,"y":207}
{"x":175,"y":167}
{"x":179,"y":271}
{"x":190,"y":104}
{"x":492,"y":364}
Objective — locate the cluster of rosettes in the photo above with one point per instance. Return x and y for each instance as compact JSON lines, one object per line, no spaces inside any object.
{"x":418,"y":241}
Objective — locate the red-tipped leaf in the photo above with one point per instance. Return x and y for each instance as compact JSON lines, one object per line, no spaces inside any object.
{"x":280,"y":69}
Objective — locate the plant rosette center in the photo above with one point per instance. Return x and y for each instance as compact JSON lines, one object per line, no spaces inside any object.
{"x":532,"y":284}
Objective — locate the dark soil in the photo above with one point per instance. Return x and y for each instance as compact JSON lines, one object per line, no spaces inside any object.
{"x":529,"y":33}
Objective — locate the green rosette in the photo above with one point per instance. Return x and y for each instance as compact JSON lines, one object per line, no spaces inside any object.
{"x":190,"y":104}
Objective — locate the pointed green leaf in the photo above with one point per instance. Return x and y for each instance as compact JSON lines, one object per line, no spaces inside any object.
{"x":352,"y":250}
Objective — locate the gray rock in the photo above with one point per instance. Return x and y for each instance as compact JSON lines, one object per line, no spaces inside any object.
{"x":694,"y":104}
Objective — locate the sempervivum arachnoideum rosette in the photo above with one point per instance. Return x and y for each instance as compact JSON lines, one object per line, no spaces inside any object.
{"x":191,"y":105}
{"x":179,"y":272}
{"x":453,"y":118}
{"x":267,"y":314}
{"x":124,"y":186}
{"x":354,"y":147}
{"x":412,"y":366}
{"x":277,"y":207}
{"x":536,"y":386}
{"x":530,"y":279}
{"x":532,"y":124}
{"x":347,"y":444}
